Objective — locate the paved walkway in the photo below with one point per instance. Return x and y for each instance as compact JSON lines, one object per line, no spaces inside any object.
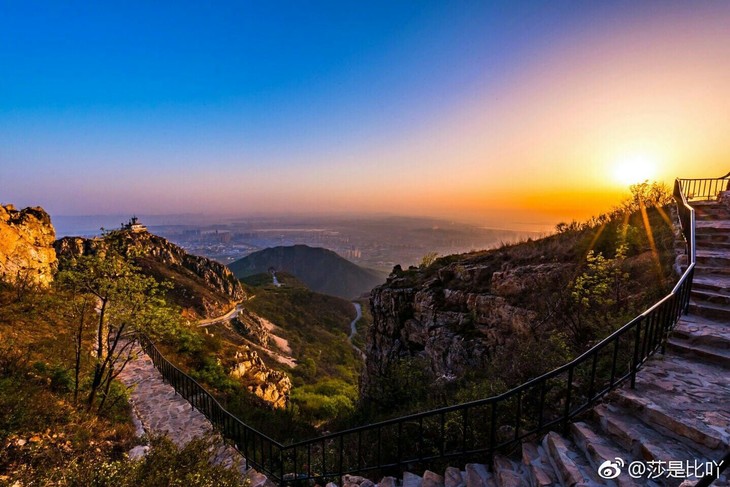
{"x":160,"y":410}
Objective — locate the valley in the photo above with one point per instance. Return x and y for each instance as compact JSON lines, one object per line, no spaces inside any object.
{"x":375,"y":242}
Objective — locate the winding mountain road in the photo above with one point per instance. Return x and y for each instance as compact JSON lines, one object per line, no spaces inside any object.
{"x":226,"y":317}
{"x":353,"y":328}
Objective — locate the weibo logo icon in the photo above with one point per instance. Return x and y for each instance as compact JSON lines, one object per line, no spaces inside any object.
{"x":610,"y":469}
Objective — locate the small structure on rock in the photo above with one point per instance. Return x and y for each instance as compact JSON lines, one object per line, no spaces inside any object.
{"x":133,"y":225}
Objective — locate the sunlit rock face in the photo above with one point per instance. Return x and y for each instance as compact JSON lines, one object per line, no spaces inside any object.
{"x":27,"y":255}
{"x":272,"y":386}
{"x":454,"y":317}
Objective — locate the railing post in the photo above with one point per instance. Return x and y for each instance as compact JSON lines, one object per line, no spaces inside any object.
{"x":398,"y":452}
{"x":493,"y":429}
{"x":566,"y":414}
{"x":614,"y":359}
{"x":281,"y":469}
{"x":309,"y":460}
{"x":518,"y":415}
{"x":466,"y":427}
{"x":342,"y":456}
{"x":635,"y":362}
{"x":442,"y":429}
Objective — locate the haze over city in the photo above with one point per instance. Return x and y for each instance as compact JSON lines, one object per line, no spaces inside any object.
{"x":504,"y":115}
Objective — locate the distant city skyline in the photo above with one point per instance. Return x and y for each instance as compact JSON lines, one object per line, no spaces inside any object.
{"x":482,"y":112}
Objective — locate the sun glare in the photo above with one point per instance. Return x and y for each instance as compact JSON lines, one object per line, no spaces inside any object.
{"x":634,"y":169}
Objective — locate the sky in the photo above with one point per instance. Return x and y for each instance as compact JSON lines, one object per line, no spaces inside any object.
{"x":505,"y":114}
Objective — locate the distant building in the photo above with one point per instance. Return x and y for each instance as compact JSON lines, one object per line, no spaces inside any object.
{"x":133,"y":225}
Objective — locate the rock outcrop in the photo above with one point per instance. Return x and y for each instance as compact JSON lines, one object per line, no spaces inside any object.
{"x":202,"y":287}
{"x":454,"y":317}
{"x":272,"y":386}
{"x":27,"y":255}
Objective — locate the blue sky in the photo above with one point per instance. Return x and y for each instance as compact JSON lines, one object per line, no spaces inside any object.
{"x":236,"y":107}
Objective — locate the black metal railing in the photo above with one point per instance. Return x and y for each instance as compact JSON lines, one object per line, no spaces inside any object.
{"x":472,"y":431}
{"x":704,"y":189}
{"x":257,"y":448}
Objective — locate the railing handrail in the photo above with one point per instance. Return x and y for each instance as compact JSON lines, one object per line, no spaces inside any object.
{"x":658,"y":320}
{"x":703,"y":188}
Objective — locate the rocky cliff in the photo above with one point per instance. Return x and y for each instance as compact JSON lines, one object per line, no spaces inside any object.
{"x":455,"y":317}
{"x":272,"y":386}
{"x":27,"y":255}
{"x":202,"y":287}
{"x":515,"y":309}
{"x":252,"y":327}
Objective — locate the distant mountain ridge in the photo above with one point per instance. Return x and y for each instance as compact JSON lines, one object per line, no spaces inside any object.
{"x":322,"y":270}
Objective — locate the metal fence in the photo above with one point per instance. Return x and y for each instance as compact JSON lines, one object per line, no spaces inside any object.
{"x":704,"y":189}
{"x":472,"y":431}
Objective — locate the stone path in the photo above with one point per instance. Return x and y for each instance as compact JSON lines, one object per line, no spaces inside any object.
{"x":158,"y":407}
{"x":159,"y":410}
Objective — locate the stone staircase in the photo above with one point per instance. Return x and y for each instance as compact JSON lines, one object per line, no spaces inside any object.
{"x":679,"y":411}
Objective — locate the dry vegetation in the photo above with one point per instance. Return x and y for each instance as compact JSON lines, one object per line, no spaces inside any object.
{"x":47,"y":437}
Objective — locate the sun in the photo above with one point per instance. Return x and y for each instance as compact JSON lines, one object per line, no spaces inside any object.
{"x":633,"y":169}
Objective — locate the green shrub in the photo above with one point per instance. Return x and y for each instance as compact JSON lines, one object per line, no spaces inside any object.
{"x":165,"y":465}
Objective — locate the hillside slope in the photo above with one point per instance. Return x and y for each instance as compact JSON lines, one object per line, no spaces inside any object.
{"x":320,"y":269}
{"x":496,"y":318}
{"x":201,"y":287}
{"x":316,"y":327}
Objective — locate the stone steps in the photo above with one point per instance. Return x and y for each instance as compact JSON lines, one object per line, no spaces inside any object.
{"x":718,"y":240}
{"x":675,"y":422}
{"x":703,"y":331}
{"x":723,"y":245}
{"x":509,"y":473}
{"x":700,"y":352}
{"x":710,"y":271}
{"x":710,"y":283}
{"x":720,"y":215}
{"x":713,"y":258}
{"x":599,"y":449}
{"x":639,"y":439}
{"x":535,"y":458}
{"x":709,"y":310}
{"x":702,"y":339}
{"x":569,"y":464}
{"x":709,"y":213}
{"x":711,"y":297}
{"x":453,"y":477}
{"x":711,"y":227}
{"x":478,"y":475}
